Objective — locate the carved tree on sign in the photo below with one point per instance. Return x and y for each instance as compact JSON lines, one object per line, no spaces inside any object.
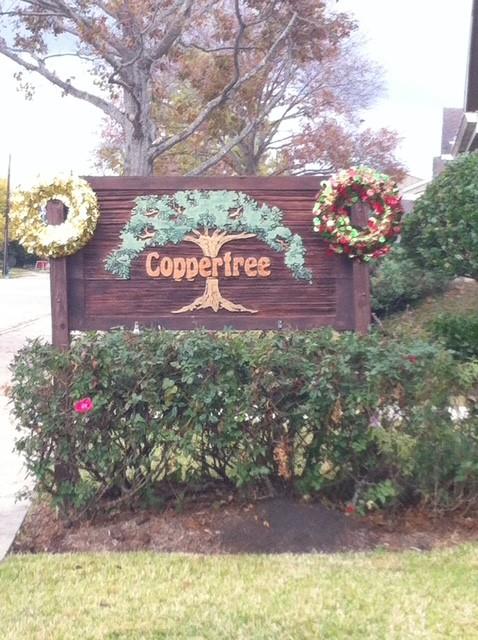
{"x":212,"y":297}
{"x":208,"y":219}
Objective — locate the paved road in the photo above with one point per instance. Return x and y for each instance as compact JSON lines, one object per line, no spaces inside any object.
{"x":24,"y":313}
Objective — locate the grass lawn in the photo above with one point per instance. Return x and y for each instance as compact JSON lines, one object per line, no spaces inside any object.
{"x":381,"y":596}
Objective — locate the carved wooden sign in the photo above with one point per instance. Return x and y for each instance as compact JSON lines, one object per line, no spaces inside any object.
{"x":181,"y":253}
{"x":209,"y":220}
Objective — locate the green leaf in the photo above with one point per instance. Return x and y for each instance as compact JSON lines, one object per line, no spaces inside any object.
{"x":167,"y":384}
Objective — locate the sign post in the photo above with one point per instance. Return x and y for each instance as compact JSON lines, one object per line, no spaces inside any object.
{"x":60,"y":333}
{"x":362,"y":303}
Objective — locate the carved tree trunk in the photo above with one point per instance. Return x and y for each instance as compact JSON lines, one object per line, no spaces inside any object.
{"x":212,"y":298}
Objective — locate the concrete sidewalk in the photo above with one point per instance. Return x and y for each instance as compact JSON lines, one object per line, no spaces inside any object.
{"x":24,"y":313}
{"x":12,"y":480}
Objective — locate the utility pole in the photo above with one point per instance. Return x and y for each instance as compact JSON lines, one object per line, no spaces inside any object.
{"x":7,"y":215}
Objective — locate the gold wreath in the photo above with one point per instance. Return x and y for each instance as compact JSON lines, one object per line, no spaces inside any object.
{"x":55,"y":241}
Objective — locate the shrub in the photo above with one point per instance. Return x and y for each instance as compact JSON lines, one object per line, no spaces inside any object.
{"x":314,"y":413}
{"x":397,"y":281}
{"x":459,"y":333}
{"x":17,"y":256}
{"x":442,"y":231}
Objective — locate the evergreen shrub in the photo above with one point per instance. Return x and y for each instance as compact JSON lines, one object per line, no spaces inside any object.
{"x":361,"y":419}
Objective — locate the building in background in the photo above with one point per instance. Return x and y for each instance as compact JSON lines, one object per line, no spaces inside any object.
{"x":411,"y":188}
{"x":452,"y":119}
{"x":460,"y":125}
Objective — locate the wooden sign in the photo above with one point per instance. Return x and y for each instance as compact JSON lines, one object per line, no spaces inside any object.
{"x":184,"y":253}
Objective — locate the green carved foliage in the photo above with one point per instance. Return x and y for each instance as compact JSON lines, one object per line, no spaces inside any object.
{"x":160,"y":220}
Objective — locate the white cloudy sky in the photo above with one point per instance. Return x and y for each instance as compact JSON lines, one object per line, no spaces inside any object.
{"x":423,"y":48}
{"x":421,"y":44}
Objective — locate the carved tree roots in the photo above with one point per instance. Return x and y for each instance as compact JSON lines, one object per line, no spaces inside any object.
{"x":212,"y":297}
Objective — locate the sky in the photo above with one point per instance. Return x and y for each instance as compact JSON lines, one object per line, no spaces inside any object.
{"x":422,"y":46}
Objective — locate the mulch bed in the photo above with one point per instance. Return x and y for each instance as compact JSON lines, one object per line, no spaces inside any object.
{"x":276,"y":525}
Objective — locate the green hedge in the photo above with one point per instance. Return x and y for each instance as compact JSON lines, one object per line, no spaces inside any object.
{"x":397,"y":282}
{"x":459,"y":333}
{"x":361,"y":419}
{"x":441,"y":233}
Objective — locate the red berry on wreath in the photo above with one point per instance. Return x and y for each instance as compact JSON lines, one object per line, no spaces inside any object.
{"x":392,"y":201}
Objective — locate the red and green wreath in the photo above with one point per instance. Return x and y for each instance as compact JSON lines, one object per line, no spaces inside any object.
{"x":332,"y":213}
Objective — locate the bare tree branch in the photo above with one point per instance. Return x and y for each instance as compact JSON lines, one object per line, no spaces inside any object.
{"x":232,"y":86}
{"x":236,"y":139}
{"x":107,"y":107}
{"x":192,"y":45}
{"x":174,"y":30}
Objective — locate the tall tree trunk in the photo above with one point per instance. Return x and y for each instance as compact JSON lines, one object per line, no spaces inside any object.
{"x":251,"y":166}
{"x":139,"y":132}
{"x":250,"y":157}
{"x":243,"y":159}
{"x":137,"y":159}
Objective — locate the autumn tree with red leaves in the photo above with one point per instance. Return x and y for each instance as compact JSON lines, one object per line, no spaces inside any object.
{"x":299,"y":115}
{"x":137,"y":52}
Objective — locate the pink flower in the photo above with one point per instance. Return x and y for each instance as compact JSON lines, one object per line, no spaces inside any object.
{"x":84,"y":405}
{"x":350,"y":508}
{"x":412,"y":359}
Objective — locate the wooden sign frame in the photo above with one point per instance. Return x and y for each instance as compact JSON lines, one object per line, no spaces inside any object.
{"x":85,"y":297}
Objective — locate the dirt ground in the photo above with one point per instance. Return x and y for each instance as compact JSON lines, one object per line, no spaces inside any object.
{"x":270,"y":526}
